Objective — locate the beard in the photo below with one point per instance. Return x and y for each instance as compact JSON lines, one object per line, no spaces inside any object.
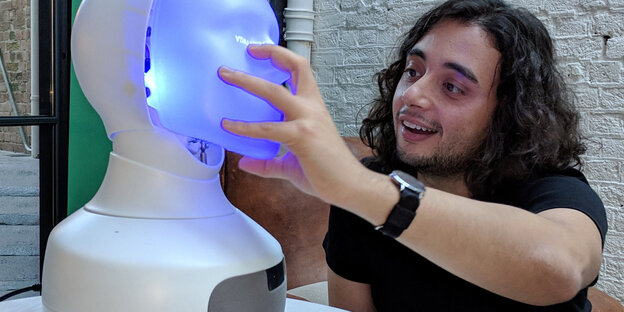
{"x":445,"y":162}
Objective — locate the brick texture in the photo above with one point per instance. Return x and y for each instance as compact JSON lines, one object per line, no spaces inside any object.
{"x":354,"y":38}
{"x":15,"y":47}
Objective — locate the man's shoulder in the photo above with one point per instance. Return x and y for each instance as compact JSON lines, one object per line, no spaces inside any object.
{"x":567,"y":177}
{"x":564,"y":188}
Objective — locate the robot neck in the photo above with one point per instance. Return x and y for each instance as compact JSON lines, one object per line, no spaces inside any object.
{"x":152,"y":175}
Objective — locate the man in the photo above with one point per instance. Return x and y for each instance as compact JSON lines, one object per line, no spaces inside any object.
{"x":475,"y":110}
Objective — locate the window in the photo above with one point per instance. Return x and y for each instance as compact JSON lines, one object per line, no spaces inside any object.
{"x":53,"y":25}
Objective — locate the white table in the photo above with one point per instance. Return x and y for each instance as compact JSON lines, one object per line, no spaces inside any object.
{"x":33,"y":304}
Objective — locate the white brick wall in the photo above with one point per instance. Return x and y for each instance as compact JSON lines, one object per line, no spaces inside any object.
{"x":354,"y":38}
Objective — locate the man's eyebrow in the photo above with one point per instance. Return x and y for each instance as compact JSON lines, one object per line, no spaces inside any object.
{"x":418,"y":52}
{"x":466,"y":72}
{"x":463,"y":70}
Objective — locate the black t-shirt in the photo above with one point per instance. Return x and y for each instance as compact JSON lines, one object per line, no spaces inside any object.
{"x":402,"y":280}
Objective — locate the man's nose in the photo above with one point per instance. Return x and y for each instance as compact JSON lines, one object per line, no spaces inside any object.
{"x":420,"y":93}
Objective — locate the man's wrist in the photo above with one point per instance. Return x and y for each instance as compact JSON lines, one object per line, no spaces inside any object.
{"x":371,"y":196}
{"x":401,"y":216}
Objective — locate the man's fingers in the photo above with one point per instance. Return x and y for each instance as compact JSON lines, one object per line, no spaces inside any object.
{"x":276,"y":94}
{"x":302,"y":80}
{"x":266,"y":168}
{"x":256,"y":166}
{"x":274,"y":131}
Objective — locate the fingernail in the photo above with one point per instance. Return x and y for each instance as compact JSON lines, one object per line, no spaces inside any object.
{"x":224,"y":73}
{"x":251,"y":48}
{"x":226,"y":123}
{"x":225,"y":70}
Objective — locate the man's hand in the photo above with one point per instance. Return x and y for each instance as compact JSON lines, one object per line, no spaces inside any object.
{"x":318,"y":161}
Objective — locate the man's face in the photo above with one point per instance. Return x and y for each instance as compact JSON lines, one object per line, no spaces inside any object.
{"x":445,"y":98}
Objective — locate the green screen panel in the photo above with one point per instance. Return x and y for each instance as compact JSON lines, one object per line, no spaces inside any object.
{"x":89,"y":146}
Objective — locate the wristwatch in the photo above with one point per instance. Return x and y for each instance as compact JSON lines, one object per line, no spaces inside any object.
{"x":404,"y":211}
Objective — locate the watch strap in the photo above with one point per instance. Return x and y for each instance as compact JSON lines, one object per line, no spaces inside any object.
{"x":401,"y":215}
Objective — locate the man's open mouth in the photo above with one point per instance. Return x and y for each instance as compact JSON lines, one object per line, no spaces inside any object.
{"x":414,"y":128}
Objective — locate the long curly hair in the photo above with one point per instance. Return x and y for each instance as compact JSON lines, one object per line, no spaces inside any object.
{"x":534,"y":128}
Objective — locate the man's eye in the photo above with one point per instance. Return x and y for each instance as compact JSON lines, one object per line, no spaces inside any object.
{"x":452,"y":88}
{"x":412,"y":73}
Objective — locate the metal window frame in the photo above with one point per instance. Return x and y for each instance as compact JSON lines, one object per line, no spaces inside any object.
{"x":55,"y":69}
{"x":53,"y":120}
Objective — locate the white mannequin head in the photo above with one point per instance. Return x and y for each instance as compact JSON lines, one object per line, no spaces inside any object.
{"x":188,"y":40}
{"x":186,"y":46}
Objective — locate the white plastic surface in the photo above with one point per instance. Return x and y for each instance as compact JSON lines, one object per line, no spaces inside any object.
{"x":316,"y":292}
{"x":189,"y":40}
{"x":108,"y":43}
{"x":99,"y":263}
{"x":160,"y":233}
{"x":134,"y":190}
{"x":163,"y":150}
{"x":33,"y":304}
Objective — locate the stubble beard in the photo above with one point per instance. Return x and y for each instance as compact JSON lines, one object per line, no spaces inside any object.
{"x":448,"y":162}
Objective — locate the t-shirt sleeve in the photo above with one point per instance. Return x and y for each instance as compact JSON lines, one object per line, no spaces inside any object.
{"x":564,"y":191}
{"x":345,"y":245}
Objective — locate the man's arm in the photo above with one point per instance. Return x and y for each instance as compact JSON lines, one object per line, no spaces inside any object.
{"x":539,"y":259}
{"x":348,"y":295}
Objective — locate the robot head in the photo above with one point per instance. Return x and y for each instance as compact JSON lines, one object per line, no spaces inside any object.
{"x":154,"y":63}
{"x":185,"y":47}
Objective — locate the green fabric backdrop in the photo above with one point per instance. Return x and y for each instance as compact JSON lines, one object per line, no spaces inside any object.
{"x":88,"y":146}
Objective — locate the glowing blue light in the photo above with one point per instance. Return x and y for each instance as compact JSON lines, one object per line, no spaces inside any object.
{"x":147,"y":65}
{"x":184,"y":50}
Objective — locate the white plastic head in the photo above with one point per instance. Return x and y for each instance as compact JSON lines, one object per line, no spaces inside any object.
{"x":185,"y":48}
{"x":165,"y":54}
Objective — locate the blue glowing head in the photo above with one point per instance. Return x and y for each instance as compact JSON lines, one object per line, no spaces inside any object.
{"x":186,"y":44}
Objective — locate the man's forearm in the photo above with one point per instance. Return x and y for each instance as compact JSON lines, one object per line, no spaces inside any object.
{"x":507,"y":250}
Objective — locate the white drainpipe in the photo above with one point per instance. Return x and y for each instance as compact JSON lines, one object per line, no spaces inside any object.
{"x":299,"y":33}
{"x":34,"y":74}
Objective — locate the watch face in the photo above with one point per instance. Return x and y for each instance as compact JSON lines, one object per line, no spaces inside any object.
{"x":408,"y":181}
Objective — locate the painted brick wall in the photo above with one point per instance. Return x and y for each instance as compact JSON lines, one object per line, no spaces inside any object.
{"x":354,"y":38}
{"x":15,"y":47}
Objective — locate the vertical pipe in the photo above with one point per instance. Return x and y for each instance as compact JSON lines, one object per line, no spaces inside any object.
{"x":299,"y":33}
{"x":34,"y":75}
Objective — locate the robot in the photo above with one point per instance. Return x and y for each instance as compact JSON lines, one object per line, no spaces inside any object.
{"x":160,"y":235}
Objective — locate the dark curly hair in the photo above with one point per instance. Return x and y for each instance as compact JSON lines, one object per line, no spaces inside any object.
{"x":534,"y":128}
